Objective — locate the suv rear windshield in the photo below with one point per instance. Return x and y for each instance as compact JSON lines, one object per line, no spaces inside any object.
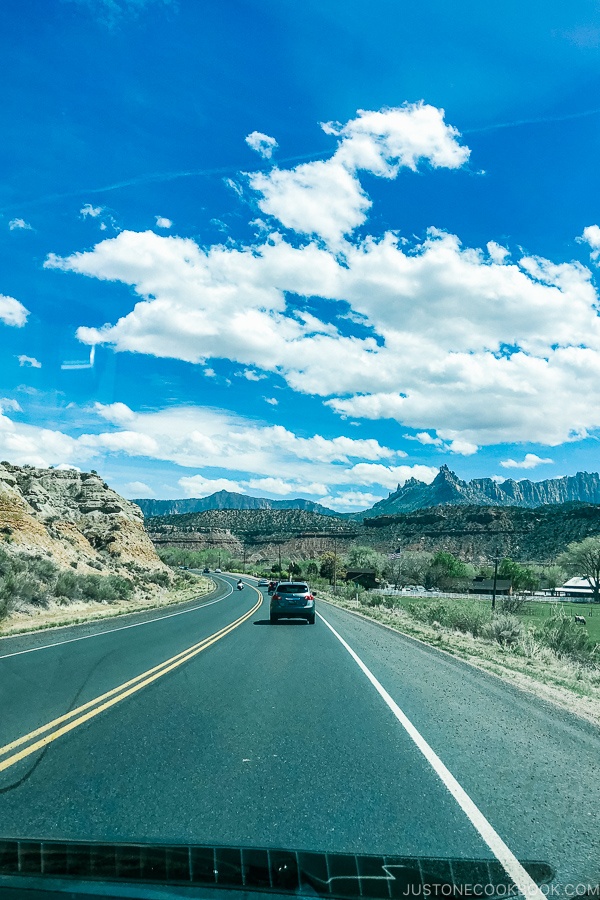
{"x":292,"y":588}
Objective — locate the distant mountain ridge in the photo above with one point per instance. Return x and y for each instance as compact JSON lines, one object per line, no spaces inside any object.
{"x":447,"y":489}
{"x":474,"y":533}
{"x":226,"y":500}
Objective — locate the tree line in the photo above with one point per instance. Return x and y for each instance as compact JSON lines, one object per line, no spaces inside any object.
{"x":443,"y":570}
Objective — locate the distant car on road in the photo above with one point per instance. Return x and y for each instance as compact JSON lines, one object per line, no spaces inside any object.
{"x":218,"y":570}
{"x":292,"y":600}
{"x":206,"y":571}
{"x":263,"y":583}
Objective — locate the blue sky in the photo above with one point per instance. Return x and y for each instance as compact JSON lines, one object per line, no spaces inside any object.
{"x":300,"y":249}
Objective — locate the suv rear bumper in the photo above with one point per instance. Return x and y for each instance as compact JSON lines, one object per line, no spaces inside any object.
{"x":292,"y":612}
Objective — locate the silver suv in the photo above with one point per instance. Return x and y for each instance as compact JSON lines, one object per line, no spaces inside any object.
{"x":293,"y":600}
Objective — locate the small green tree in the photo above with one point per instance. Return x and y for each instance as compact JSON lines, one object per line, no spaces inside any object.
{"x":365,"y":558}
{"x":448,"y":571}
{"x":330,"y":564}
{"x":523,"y":578}
{"x":412,"y":567}
{"x":553,"y":577}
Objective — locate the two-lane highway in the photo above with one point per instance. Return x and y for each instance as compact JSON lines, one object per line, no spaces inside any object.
{"x":210,"y":725}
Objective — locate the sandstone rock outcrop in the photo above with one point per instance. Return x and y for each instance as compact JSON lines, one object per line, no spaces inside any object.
{"x":72,"y":516}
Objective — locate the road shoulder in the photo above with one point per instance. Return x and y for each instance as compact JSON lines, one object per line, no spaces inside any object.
{"x":556,"y":685}
{"x":106,"y":619}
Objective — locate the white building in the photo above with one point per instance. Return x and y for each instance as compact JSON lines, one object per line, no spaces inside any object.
{"x":576,"y":587}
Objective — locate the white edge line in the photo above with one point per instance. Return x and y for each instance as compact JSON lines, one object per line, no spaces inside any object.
{"x":86,"y":637}
{"x":503,"y":854}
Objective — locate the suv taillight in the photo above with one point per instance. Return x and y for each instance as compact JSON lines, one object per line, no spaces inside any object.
{"x":276,"y":597}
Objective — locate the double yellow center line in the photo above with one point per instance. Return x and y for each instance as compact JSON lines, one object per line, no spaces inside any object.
{"x":76,"y":717}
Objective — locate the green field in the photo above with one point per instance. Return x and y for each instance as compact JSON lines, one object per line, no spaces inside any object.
{"x":533,"y":612}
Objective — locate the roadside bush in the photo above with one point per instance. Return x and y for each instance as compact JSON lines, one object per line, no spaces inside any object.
{"x":95,"y":588}
{"x":504,"y":629}
{"x":373,"y":600}
{"x":467,"y":617}
{"x":513,"y":603}
{"x":6,"y":607}
{"x":349,"y":591}
{"x":106,"y":589}
{"x":567,"y":639}
{"x":19,"y":588}
{"x":161,"y":577}
{"x":68,"y":585}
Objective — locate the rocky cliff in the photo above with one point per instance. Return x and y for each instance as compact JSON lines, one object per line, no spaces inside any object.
{"x":477,"y":533}
{"x":73,"y":517}
{"x":447,"y":489}
{"x":260,"y":533}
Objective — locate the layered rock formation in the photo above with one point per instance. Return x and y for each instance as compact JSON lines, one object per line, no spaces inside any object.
{"x":475,"y":533}
{"x":259,"y":533}
{"x":72,"y":516}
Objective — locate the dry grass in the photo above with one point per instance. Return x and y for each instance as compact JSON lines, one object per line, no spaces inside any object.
{"x":78,"y":613}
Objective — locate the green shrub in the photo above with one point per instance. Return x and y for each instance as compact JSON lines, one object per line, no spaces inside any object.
{"x":94,"y":588}
{"x":567,"y":639}
{"x":467,"y":617}
{"x":161,"y":577}
{"x":504,"y":629}
{"x":67,"y":585}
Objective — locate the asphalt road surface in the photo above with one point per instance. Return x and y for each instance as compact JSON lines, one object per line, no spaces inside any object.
{"x":206,"y":724}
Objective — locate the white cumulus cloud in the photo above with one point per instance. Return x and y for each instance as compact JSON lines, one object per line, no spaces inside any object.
{"x":391,"y":476}
{"x":138,"y":489}
{"x":531,"y":461}
{"x":262,"y":143}
{"x":8,"y":403}
{"x":19,"y":225}
{"x":465,"y":346}
{"x":12,"y":312}
{"x":198,"y":486}
{"x":351,"y":500}
{"x":325,"y":198}
{"x":591,"y":236}
{"x":92,"y":211}
{"x":30,"y":361}
{"x":163,"y":222}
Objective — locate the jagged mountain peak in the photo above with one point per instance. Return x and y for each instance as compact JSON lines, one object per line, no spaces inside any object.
{"x":447,"y":489}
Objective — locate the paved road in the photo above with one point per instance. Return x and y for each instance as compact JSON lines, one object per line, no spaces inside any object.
{"x":277,"y":736}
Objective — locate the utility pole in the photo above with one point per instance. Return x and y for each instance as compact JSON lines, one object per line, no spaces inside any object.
{"x":335,"y":565}
{"x":496,"y":560}
{"x":279,"y":549}
{"x":244,"y":559}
